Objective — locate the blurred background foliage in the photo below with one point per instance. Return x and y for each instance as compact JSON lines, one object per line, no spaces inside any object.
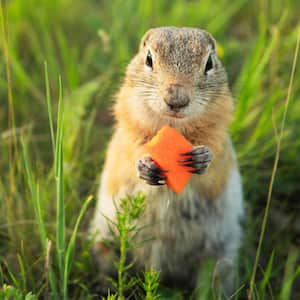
{"x":88,"y":44}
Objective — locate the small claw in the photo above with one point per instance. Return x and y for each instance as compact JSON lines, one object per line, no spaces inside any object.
{"x":153,"y":181}
{"x":196,"y":150}
{"x":196,"y":165}
{"x":161,"y":182}
{"x":186,"y":160}
{"x":153,"y":177}
{"x":163,"y":171}
{"x":188,"y":165}
{"x":154,"y":167}
{"x":199,"y":171}
{"x":186,"y":153}
{"x":201,"y":158}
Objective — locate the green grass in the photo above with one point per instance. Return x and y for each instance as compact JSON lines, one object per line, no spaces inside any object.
{"x":62,"y":61}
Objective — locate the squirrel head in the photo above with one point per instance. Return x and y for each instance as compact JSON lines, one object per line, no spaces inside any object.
{"x":176,"y":75}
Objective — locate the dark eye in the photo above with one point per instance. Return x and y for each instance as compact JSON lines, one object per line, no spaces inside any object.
{"x":209,"y":65}
{"x":149,"y":61}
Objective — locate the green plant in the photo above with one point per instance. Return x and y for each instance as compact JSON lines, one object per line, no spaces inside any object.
{"x":10,"y":293}
{"x":128,"y":212}
{"x":151,"y":284}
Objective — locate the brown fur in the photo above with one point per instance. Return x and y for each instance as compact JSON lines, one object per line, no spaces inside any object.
{"x":202,"y":221}
{"x":210,"y":130}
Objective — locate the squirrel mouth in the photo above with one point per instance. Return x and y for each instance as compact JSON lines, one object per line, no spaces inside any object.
{"x":175,"y":114}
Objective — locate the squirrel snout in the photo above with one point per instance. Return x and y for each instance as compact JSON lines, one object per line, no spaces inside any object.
{"x":176,"y":97}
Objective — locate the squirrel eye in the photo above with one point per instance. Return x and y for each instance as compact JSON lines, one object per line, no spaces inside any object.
{"x":209,"y":65}
{"x":149,"y":61}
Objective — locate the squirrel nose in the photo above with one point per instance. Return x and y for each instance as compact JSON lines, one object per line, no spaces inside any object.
{"x":176,"y":97}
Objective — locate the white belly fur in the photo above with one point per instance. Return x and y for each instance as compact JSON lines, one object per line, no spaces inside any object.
{"x":185,"y":228}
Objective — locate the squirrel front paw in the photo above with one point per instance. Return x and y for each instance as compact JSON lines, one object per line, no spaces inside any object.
{"x":149,"y":171}
{"x":198,"y":159}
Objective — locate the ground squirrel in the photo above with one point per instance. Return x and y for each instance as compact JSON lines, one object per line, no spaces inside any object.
{"x":175,"y":79}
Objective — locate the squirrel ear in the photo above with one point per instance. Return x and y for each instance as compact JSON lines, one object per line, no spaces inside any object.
{"x":145,"y":38}
{"x":211,"y":41}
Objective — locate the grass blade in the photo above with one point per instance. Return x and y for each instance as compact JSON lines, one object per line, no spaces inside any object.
{"x":289,"y":274}
{"x":34,"y":191}
{"x":59,"y":176}
{"x":266,"y":276}
{"x":71,"y":246}
{"x":49,"y":107}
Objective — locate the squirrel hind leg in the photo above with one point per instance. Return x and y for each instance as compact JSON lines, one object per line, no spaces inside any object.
{"x":217,"y":276}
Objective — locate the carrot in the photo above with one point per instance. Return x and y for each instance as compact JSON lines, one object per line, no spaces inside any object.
{"x":165,"y":149}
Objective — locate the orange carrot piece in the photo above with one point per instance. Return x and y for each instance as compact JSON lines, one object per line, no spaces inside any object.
{"x":165,"y":149}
